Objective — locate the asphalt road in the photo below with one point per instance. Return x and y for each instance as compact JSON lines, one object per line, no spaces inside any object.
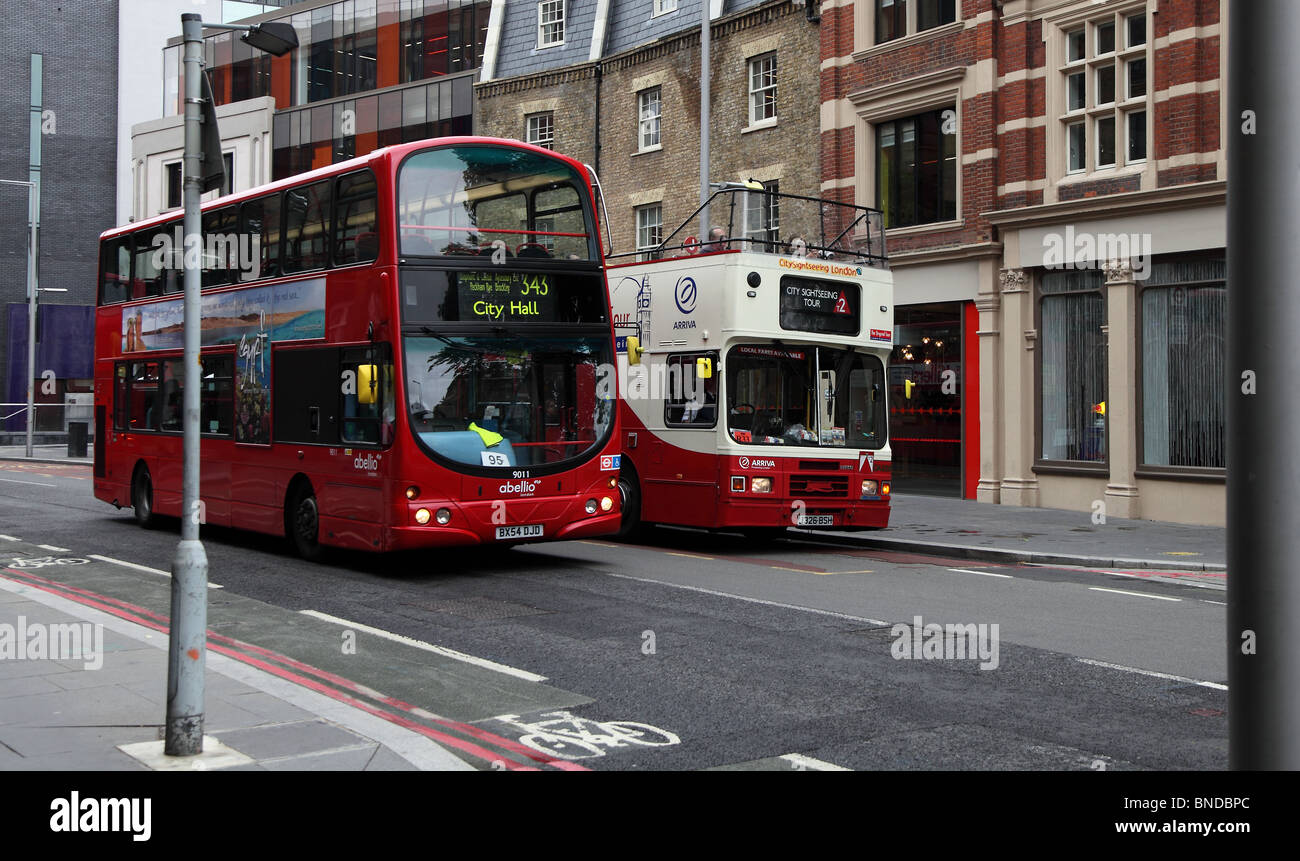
{"x":726,"y":654}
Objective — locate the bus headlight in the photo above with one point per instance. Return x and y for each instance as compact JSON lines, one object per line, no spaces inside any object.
{"x":590,"y":507}
{"x":443,"y":516}
{"x":422,"y":516}
{"x":760,"y":485}
{"x":606,"y":503}
{"x":869,"y":487}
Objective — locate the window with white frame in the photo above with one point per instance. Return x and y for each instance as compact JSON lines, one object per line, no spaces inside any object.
{"x":1105,"y":87}
{"x":895,"y":19}
{"x":648,"y":114}
{"x":662,"y":7}
{"x":540,"y":129}
{"x":762,"y":88}
{"x":763,"y":218}
{"x":550,"y":23}
{"x":649,"y":228}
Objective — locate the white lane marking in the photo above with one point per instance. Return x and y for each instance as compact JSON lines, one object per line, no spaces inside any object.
{"x":144,"y":568}
{"x":982,"y":573}
{"x":1180,"y":577}
{"x":428,"y":647}
{"x":9,"y":538}
{"x":1153,"y":674}
{"x":1220,"y":603}
{"x":55,"y":549}
{"x":35,"y":483}
{"x":1134,"y":594}
{"x":746,"y":598}
{"x":422,"y":752}
{"x":808,"y":763}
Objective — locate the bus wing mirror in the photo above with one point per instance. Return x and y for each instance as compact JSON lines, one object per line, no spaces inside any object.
{"x":367,"y":384}
{"x":634,"y":350}
{"x":704,"y":368}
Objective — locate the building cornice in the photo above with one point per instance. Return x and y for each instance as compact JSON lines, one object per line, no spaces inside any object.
{"x":918,"y":82}
{"x":1186,"y":196}
{"x":535,"y":80}
{"x":947,"y":254}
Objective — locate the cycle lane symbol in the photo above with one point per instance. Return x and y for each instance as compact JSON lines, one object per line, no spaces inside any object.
{"x":568,"y":736}
{"x":30,"y":563}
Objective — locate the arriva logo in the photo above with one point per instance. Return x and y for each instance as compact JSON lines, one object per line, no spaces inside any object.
{"x":685,"y":294}
{"x":368,"y":462}
{"x":518,"y":487}
{"x":757,"y":463}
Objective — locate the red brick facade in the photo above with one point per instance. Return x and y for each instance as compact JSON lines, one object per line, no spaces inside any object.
{"x":1004,"y":117}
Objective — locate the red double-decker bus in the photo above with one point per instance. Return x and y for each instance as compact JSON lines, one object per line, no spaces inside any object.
{"x":409,"y":349}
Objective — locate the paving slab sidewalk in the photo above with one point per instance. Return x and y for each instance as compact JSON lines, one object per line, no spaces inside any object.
{"x":966,"y":529}
{"x":95,"y":711}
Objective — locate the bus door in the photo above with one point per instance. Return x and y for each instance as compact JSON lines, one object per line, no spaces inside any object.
{"x":688,"y":475}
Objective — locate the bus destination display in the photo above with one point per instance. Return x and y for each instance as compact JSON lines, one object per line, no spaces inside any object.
{"x":504,"y":296}
{"x":810,"y":305}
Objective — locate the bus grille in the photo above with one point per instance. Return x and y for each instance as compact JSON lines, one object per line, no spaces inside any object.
{"x":819,"y":485}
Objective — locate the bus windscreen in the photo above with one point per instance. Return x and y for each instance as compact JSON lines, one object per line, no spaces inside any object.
{"x":495,"y":202}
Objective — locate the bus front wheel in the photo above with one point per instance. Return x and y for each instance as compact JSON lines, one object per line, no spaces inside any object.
{"x":629,"y":493}
{"x":142,"y":497}
{"x":303,"y":522}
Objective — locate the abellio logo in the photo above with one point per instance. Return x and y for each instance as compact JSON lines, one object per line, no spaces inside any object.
{"x":366,"y":462}
{"x":518,"y":487}
{"x":685,"y":294}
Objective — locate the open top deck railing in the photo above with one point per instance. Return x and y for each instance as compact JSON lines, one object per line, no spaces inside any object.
{"x":792,"y":225}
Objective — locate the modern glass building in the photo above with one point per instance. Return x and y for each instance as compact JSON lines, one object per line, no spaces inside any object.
{"x":366,"y":74}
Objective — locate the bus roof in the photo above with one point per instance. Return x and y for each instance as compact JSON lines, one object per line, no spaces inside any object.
{"x":396,"y":152}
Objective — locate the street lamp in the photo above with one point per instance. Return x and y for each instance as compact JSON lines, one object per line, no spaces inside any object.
{"x":189,"y":616}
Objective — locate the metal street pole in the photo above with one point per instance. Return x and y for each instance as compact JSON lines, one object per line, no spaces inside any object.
{"x":187,"y":646}
{"x":32,"y":291}
{"x":705,"y":86}
{"x":1263,"y":409}
{"x":189,"y":616}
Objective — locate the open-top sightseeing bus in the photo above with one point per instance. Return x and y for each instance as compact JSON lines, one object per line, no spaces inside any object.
{"x":755,"y":386}
{"x":409,"y":349}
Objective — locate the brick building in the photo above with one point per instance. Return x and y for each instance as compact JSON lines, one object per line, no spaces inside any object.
{"x":1053,"y":178}
{"x":618,"y":86}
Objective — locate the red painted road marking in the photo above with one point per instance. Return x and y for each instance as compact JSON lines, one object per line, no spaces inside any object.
{"x":147,"y":618}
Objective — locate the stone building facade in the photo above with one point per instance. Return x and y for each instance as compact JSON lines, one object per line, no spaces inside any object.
{"x":624,"y":97}
{"x":1053,"y":174}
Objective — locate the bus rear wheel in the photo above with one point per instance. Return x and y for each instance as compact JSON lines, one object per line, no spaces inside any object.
{"x":142,"y":498}
{"x":302,"y":523}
